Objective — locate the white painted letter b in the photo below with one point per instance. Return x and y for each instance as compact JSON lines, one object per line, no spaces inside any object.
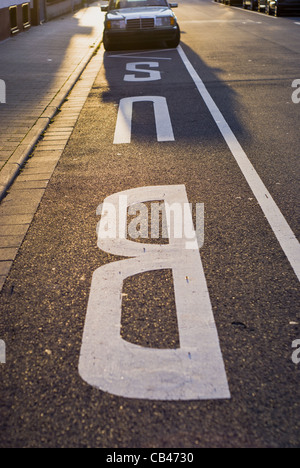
{"x":192,"y":372}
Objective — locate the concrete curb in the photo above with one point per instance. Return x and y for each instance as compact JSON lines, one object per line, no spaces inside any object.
{"x":12,"y":167}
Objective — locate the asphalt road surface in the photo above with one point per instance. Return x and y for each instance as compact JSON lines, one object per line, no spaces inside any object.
{"x":230,"y":142}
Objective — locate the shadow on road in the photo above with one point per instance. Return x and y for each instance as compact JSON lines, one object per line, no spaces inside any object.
{"x":192,"y":123}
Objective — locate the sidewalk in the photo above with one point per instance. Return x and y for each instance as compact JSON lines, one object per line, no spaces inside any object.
{"x":39,"y":69}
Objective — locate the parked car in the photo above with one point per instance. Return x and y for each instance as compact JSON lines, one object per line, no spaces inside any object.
{"x":279,"y":7}
{"x":234,"y":2}
{"x":262,"y":5}
{"x":137,"y":21}
{"x":252,"y":4}
{"x":258,"y":5}
{"x":230,"y":2}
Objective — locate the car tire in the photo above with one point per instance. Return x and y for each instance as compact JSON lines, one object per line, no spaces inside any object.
{"x":174,"y":42}
{"x":277,"y":11}
{"x":107,"y":44}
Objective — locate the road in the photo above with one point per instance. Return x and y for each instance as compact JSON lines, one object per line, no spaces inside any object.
{"x":229,"y":142}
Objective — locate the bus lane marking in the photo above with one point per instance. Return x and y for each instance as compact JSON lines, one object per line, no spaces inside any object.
{"x":163,"y":123}
{"x":153,"y":75}
{"x":195,"y":370}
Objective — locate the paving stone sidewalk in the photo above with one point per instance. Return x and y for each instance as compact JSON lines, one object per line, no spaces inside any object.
{"x":39,"y":68}
{"x":73,"y":43}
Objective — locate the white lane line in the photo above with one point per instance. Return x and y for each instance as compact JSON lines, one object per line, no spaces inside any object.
{"x":278,"y":223}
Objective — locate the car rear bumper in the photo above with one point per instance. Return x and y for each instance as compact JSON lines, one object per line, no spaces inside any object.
{"x":143,"y":35}
{"x":286,"y":6}
{"x":289,"y":7}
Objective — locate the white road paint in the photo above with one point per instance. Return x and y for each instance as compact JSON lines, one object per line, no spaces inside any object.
{"x":278,"y":223}
{"x":194,"y":371}
{"x":2,"y":92}
{"x":163,"y":124}
{"x":134,"y":67}
{"x":140,"y":55}
{"x":2,"y":352}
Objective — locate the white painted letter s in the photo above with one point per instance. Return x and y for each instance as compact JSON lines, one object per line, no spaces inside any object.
{"x":153,"y":75}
